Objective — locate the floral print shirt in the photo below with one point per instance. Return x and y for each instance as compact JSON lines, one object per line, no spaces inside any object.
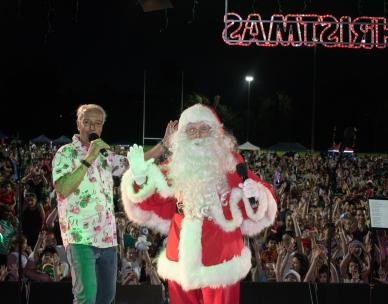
{"x":87,"y":215}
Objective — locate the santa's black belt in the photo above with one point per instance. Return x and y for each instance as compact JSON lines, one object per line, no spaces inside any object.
{"x":179,"y":209}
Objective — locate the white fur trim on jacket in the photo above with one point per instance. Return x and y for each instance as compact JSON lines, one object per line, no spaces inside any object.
{"x":146,"y":218}
{"x":263,"y":217}
{"x":155,"y":182}
{"x":237,"y":219}
{"x":190,"y":273}
{"x":131,"y":199}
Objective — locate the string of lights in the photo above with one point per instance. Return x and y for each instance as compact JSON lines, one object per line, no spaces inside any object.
{"x":306,"y":30}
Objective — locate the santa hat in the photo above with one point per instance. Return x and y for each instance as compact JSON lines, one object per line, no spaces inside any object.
{"x":291,"y":272}
{"x":199,"y":113}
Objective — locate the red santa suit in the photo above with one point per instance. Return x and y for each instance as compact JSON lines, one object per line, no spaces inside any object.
{"x":205,"y":258}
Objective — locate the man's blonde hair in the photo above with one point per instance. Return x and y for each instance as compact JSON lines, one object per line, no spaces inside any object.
{"x":82,"y":109}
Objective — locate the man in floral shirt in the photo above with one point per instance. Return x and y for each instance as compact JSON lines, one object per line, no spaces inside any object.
{"x":83,"y":181}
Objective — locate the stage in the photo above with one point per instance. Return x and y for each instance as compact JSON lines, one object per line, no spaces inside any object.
{"x":263,"y":293}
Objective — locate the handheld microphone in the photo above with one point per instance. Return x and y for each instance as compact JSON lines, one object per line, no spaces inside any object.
{"x":94,"y":136}
{"x":242,"y":171}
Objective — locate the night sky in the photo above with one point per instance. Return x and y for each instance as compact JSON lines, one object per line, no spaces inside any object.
{"x":55,"y":57}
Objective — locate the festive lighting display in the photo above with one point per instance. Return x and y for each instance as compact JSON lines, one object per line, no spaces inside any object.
{"x":306,"y":30}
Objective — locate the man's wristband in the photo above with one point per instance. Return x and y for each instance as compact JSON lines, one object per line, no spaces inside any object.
{"x":85,"y":163}
{"x":165,"y":148}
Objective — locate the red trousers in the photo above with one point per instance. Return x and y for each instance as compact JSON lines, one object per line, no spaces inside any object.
{"x":221,"y":295}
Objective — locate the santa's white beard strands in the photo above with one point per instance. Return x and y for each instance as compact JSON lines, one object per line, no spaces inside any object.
{"x":198,"y":171}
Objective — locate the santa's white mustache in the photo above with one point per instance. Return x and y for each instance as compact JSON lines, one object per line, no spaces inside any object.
{"x":199,"y":141}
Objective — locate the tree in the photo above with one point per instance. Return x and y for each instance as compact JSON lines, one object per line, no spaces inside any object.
{"x":273,"y":118}
{"x":230,"y":120}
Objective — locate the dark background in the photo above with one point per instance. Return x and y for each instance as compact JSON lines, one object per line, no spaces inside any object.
{"x":56,"y":57}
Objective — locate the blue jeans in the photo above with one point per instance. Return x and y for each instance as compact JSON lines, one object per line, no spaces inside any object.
{"x":93,"y":273}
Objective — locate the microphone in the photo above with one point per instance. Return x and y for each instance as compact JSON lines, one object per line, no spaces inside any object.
{"x":94,"y":136}
{"x":242,"y":171}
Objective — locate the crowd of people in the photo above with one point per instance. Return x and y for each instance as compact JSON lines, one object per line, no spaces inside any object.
{"x":312,"y":208}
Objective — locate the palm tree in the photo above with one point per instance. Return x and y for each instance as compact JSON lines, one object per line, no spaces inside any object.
{"x":273,"y":118}
{"x":227,"y":116}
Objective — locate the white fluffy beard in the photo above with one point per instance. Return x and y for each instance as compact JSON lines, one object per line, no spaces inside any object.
{"x":198,"y":170}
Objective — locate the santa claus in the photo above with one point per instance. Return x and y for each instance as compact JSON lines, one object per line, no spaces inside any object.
{"x":202,"y":204}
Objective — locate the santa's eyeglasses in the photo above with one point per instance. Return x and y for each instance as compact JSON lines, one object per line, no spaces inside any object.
{"x":203,"y":130}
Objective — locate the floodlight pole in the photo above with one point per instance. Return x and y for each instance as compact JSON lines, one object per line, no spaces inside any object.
{"x":249,"y":79}
{"x":144,"y":102}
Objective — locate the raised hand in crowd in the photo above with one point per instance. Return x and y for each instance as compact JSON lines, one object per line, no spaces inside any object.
{"x":382,"y":278}
{"x":370,"y":247}
{"x":284,"y":251}
{"x":297,"y":230}
{"x":130,"y":279}
{"x":3,"y":273}
{"x":34,"y":172}
{"x":318,"y":267}
{"x":356,"y":259}
{"x":52,"y":217}
{"x":13,"y":271}
{"x":150,"y":269}
{"x":39,"y":245}
{"x":256,"y":249}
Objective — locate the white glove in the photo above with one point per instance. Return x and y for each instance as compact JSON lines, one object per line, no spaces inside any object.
{"x":138,"y":166}
{"x":250,"y":188}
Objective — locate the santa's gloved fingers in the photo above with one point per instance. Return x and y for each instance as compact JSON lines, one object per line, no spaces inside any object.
{"x":250,"y":194}
{"x":133,"y":149}
{"x":251,"y":190}
{"x":136,"y":153}
{"x":249,"y":183}
{"x":132,"y":152}
{"x":139,"y":153}
{"x":136,"y":149}
{"x":251,"y":186}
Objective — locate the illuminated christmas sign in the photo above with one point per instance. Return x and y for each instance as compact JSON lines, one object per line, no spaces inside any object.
{"x":306,"y":30}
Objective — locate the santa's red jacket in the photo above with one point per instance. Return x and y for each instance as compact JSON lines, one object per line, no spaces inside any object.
{"x":200,"y":252}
